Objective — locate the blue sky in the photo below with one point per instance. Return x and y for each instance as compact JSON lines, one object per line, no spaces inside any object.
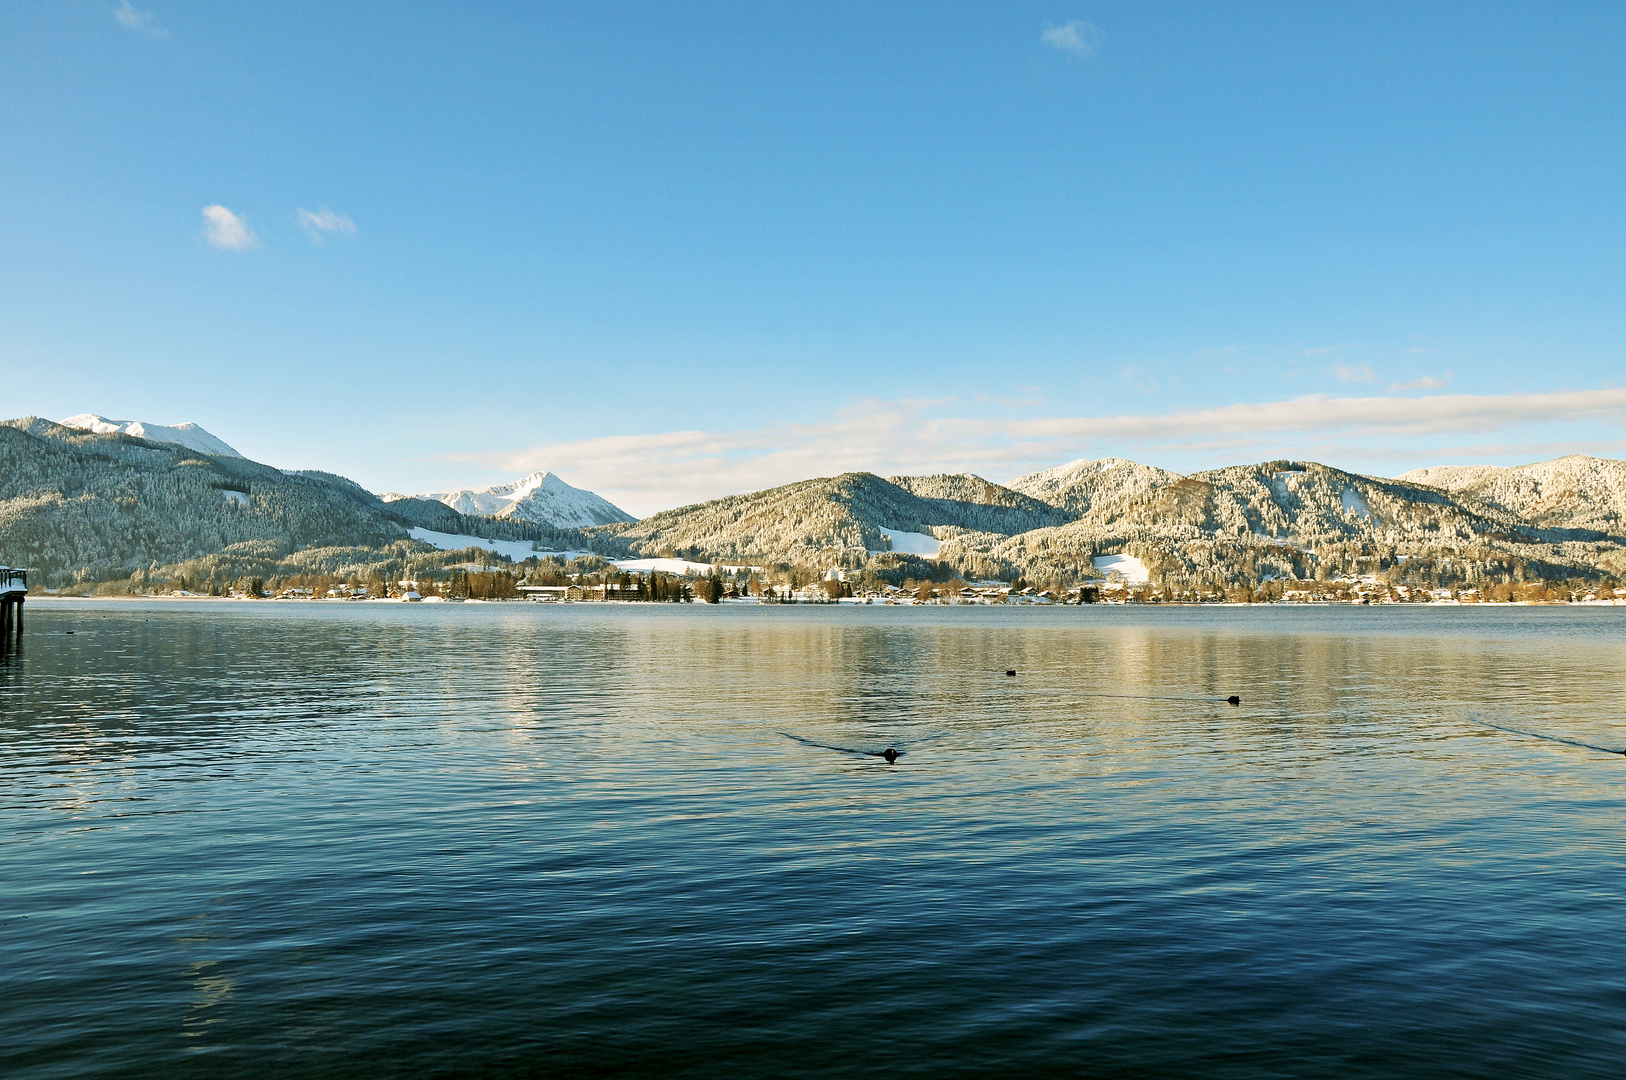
{"x":677,"y":251}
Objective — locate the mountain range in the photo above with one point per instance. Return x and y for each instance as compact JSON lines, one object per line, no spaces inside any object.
{"x":1281,"y":519}
{"x":103,"y":500}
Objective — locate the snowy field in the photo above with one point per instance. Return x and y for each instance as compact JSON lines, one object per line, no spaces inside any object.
{"x":1132,"y":569}
{"x":665,"y":566}
{"x":912,"y":543}
{"x":518,"y":550}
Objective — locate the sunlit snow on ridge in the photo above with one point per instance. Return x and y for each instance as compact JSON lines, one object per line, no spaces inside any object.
{"x":188,"y":435}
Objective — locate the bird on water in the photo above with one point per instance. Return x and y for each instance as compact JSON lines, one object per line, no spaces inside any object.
{"x":891,"y":755}
{"x":1233,"y":700}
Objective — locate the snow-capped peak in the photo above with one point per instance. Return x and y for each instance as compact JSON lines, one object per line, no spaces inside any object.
{"x":542,"y":498}
{"x":188,"y":435}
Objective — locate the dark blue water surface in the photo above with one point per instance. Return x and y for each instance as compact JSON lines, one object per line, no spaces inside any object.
{"x":280,"y":839}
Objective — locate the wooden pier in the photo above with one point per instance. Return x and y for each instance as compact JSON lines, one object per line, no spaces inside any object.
{"x":13,"y":590}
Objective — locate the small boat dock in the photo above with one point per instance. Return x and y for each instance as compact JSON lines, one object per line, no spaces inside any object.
{"x":13,"y":590}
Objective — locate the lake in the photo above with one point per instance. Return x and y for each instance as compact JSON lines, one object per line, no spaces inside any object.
{"x":284,"y":839}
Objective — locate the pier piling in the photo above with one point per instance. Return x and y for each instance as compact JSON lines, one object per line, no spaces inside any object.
{"x":13,"y":591}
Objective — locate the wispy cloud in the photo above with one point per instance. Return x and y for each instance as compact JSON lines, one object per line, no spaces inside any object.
{"x":1077,"y":38}
{"x":143,"y":22}
{"x":323,"y":222}
{"x":1148,"y":382}
{"x":1427,"y":382}
{"x":649,"y":472}
{"x":1351,"y":373}
{"x":226,"y":230}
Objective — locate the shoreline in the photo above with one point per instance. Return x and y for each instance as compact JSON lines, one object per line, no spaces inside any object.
{"x":847,"y":603}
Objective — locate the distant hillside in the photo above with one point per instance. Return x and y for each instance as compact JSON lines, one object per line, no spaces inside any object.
{"x":1229,"y":526}
{"x":837,"y":519}
{"x":92,"y":506}
{"x":1283,"y":519}
{"x":542,"y":498}
{"x":76,"y":505}
{"x":1575,"y":492}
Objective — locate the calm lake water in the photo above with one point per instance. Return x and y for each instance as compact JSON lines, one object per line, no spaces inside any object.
{"x":278,"y":839}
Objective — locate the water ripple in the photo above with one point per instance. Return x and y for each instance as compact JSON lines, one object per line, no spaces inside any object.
{"x":315,"y":840}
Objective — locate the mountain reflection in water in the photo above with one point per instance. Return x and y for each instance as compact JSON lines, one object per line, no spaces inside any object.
{"x":342,"y":840}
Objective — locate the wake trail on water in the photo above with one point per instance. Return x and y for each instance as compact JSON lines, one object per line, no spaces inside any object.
{"x":1548,"y":738}
{"x":1189,"y":700}
{"x":853,"y":750}
{"x":1183,"y":699}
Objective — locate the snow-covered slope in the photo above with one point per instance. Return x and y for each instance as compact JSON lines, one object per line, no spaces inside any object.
{"x":188,"y":435}
{"x":542,"y":498}
{"x":1133,"y":570}
{"x":925,"y":545}
{"x":518,"y":550}
{"x":1575,"y":492}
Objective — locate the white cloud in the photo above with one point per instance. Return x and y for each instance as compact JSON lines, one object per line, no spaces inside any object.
{"x":645,"y":473}
{"x":226,"y":230}
{"x":144,"y":22}
{"x":325,"y":221}
{"x":1077,"y":37}
{"x":1348,"y":373}
{"x":1427,"y":382}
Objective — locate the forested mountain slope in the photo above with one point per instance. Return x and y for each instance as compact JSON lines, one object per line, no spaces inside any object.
{"x":836,"y":519}
{"x":1298,"y":519}
{"x":1575,"y":492}
{"x":84,"y":506}
{"x":1082,"y":486}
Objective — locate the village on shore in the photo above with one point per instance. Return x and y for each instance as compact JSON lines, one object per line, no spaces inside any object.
{"x":751,"y":585}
